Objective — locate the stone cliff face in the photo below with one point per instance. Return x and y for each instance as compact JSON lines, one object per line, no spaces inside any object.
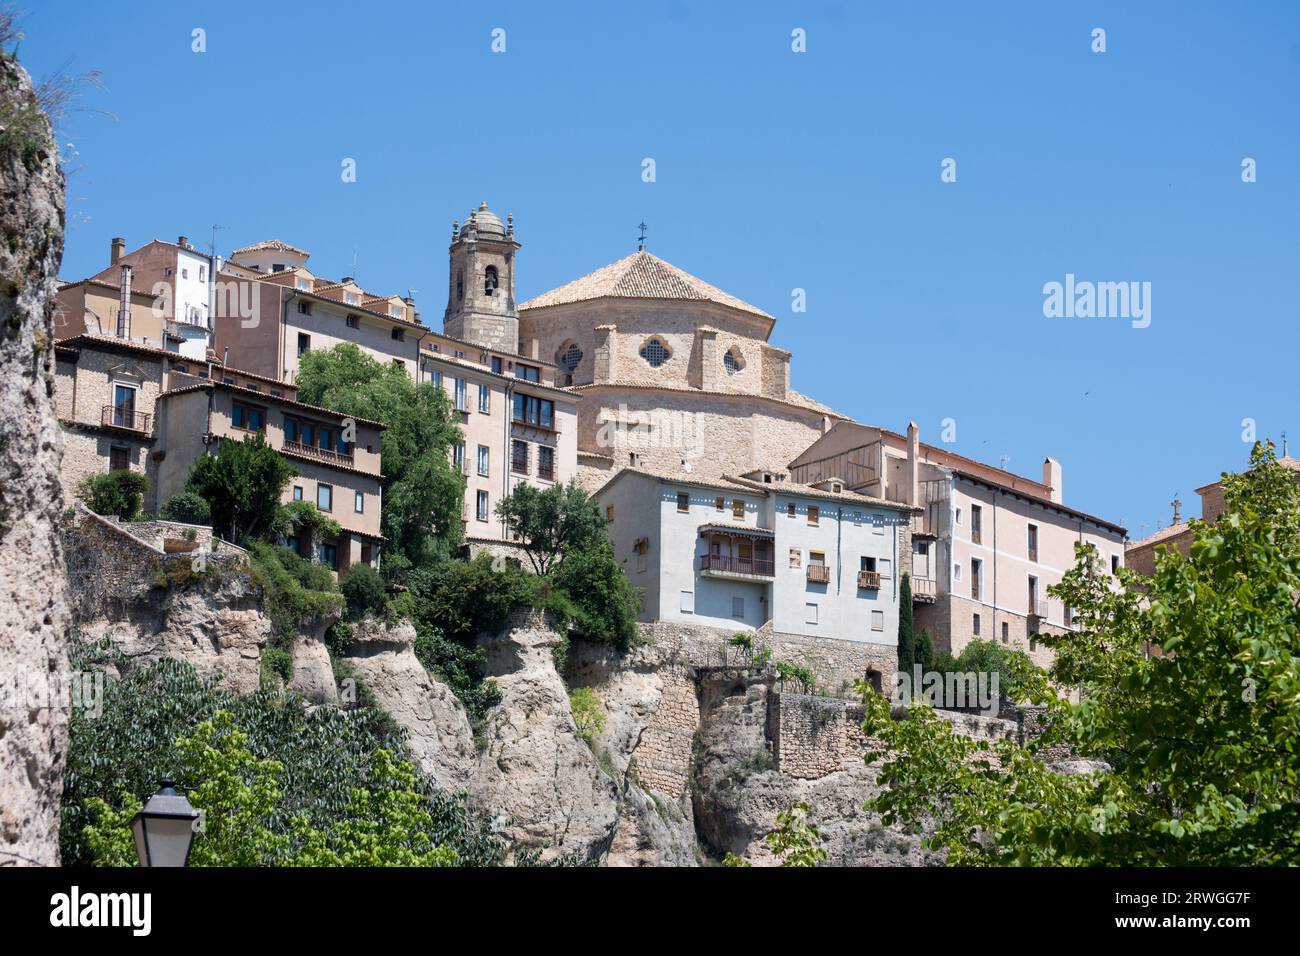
{"x":33,"y":609}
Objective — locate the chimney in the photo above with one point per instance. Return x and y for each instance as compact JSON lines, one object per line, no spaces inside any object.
{"x":124,"y":305}
{"x":1177,"y":509}
{"x":345,"y":280}
{"x":183,"y":241}
{"x":913,"y":468}
{"x":1052,"y":478}
{"x":119,"y":247}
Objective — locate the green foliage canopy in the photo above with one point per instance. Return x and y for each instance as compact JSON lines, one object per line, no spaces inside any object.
{"x":242,"y":483}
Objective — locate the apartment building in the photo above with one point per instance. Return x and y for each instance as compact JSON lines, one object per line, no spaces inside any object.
{"x":271,"y":310}
{"x":516,"y":426}
{"x":337,"y":457}
{"x":178,"y":277}
{"x":986,"y":543}
{"x":125,"y":405}
{"x":742,"y":551}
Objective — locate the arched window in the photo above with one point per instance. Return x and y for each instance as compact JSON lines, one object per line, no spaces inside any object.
{"x":733,"y":362}
{"x":570,"y":357}
{"x":460,"y":285}
{"x":490,"y":280}
{"x":655,"y":352}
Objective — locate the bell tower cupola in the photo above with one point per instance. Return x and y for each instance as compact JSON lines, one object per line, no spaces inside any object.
{"x":481,"y":288}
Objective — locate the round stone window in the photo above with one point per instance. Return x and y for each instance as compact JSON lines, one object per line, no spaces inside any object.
{"x":570,"y":358}
{"x":655,"y":352}
{"x":732,"y":361}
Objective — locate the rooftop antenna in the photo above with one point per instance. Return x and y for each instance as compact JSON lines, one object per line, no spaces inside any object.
{"x":410,"y":293}
{"x":1005,"y":460}
{"x":641,"y":242}
{"x":354,"y":266}
{"x":212,"y":246}
{"x":1284,"y":444}
{"x":1177,"y":508}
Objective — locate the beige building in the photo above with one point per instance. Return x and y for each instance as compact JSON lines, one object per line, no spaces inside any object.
{"x":987,"y":543}
{"x":337,"y":457}
{"x":517,"y":427}
{"x":673,"y":373}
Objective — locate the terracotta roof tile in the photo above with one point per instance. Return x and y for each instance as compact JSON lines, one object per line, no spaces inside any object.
{"x":639,"y":276}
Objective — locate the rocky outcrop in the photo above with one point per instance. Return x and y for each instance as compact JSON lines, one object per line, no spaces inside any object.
{"x":382,"y":657}
{"x":33,"y":608}
{"x":212,"y":620}
{"x":737,"y":792}
{"x":311,"y":673}
{"x":535,"y":769}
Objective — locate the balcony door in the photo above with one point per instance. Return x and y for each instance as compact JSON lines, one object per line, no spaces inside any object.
{"x":745,"y":556}
{"x":124,"y":406}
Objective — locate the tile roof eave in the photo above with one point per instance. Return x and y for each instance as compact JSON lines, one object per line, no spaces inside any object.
{"x":278,"y":399}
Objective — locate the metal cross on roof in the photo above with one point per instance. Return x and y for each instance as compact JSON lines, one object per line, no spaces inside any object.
{"x":641,"y":242}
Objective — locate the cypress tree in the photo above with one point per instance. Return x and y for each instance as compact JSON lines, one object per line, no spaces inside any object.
{"x":925,"y":651}
{"x":906,"y":641}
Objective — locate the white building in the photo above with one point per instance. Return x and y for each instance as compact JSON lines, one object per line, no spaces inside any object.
{"x":741,"y":551}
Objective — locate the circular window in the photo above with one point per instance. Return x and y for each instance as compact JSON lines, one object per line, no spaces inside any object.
{"x":570,"y":357}
{"x":655,"y":352}
{"x":732,"y":361}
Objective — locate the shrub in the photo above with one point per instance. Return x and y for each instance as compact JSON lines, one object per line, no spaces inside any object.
{"x":363,"y":590}
{"x":461,"y":668}
{"x":588,"y":712}
{"x":242,"y":483}
{"x":187,"y":507}
{"x":602,"y":602}
{"x":276,"y":663}
{"x":297,"y":591}
{"x":117,"y":493}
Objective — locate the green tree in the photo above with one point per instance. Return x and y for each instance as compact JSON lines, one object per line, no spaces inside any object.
{"x":588,"y":712}
{"x":925,"y":651}
{"x":118,"y":493}
{"x":796,"y":841}
{"x":422,"y":490}
{"x":590,"y":588}
{"x":363,"y":590}
{"x":906,"y":641}
{"x":243,"y":483}
{"x":1200,"y":738}
{"x":187,"y":507}
{"x":553,"y":522}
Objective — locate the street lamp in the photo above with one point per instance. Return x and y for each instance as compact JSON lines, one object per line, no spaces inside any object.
{"x":164,"y":828}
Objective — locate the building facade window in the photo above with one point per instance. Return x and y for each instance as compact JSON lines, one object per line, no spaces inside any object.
{"x":297,"y":492}
{"x":796,"y":558}
{"x":490,"y":280}
{"x":484,"y":397}
{"x":354,"y":322}
{"x":546,"y":462}
{"x":519,"y":456}
{"x":738,"y":508}
{"x":119,"y":459}
{"x":304,"y":343}
{"x":483,"y":455}
{"x":732,"y":362}
{"x":814,"y":515}
{"x":683,"y":501}
{"x":247,"y":417}
{"x":531,"y":410}
{"x":399,"y":335}
{"x":482,"y":506}
{"x":975,"y":624}
{"x":1032,"y":542}
{"x":976,"y":529}
{"x":329,"y":556}
{"x":325,"y":497}
{"x":877,"y":620}
{"x":570,"y":357}
{"x":359,"y":502}
{"x":655,"y":352}
{"x":738,"y":608}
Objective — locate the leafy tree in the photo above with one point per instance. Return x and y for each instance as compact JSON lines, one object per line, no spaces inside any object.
{"x":237,"y":792}
{"x":906,"y":641}
{"x":242,"y":483}
{"x":302,"y":519}
{"x":590,"y":588}
{"x":988,"y":657}
{"x":327,"y":752}
{"x":798,"y":674}
{"x":553,"y":522}
{"x":187,"y":507}
{"x":363,"y":590}
{"x":1200,"y":739}
{"x":422,"y":491}
{"x":118,"y":493}
{"x":796,"y":841}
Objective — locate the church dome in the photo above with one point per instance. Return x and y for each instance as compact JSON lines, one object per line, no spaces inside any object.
{"x":489,"y":223}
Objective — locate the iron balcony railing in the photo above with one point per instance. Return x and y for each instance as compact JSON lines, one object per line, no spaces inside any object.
{"x":123,"y":416}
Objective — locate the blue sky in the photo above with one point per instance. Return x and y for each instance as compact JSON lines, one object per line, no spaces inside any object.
{"x":774,"y":171}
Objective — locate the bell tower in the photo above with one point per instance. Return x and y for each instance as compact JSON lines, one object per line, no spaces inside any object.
{"x":481,"y":287}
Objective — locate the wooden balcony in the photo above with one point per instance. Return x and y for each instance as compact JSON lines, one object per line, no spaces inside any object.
{"x":819,"y":574}
{"x":722,"y":564}
{"x":1038,"y":609}
{"x":320,"y":454}
{"x":924,"y":590}
{"x":121,"y":416}
{"x":869,"y":580}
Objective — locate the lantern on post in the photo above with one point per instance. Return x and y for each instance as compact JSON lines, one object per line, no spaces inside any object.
{"x":164,"y":828}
